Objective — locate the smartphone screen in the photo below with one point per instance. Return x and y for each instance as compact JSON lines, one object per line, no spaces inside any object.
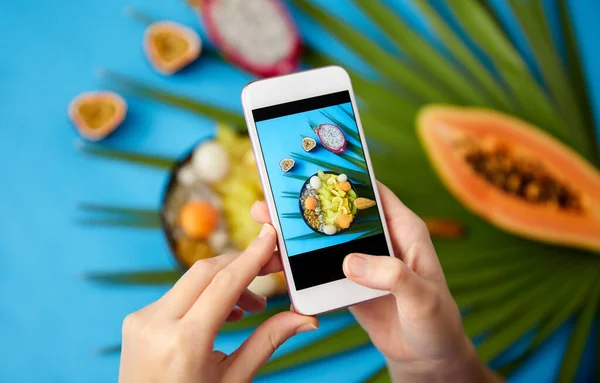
{"x":321,"y":185}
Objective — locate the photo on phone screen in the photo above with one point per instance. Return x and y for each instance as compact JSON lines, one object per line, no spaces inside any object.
{"x":321,"y":185}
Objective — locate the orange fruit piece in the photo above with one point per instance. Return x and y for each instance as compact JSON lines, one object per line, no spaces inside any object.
{"x":345,"y":186}
{"x":343,"y":221}
{"x":198,"y":219}
{"x":310,"y":203}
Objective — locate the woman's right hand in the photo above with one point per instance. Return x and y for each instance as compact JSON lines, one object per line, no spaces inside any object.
{"x":418,"y":326}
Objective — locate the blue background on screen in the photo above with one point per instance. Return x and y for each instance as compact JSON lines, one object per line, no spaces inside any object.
{"x":281,"y":136}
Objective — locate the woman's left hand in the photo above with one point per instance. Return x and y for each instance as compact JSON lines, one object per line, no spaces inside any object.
{"x":172,"y":339}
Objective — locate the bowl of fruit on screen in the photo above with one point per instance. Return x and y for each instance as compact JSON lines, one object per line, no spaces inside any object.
{"x":329,"y":203}
{"x":206,"y":204}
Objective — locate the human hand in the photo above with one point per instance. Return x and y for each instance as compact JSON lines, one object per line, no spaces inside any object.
{"x":171,"y":340}
{"x":417,"y":327}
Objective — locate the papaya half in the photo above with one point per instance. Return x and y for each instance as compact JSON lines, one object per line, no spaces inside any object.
{"x":97,"y":114}
{"x":170,"y":46}
{"x":513,"y":174}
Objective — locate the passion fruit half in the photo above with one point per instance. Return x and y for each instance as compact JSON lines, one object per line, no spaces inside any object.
{"x":97,"y":114}
{"x":171,"y":46}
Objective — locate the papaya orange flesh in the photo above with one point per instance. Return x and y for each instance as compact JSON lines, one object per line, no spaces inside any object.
{"x":170,"y":46}
{"x":97,"y":114}
{"x":514,"y":175}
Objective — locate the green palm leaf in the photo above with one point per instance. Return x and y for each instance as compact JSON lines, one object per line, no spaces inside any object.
{"x":381,"y":376}
{"x":361,"y":177}
{"x":344,"y":340}
{"x":467,"y":59}
{"x":119,"y":210}
{"x":553,"y":322}
{"x":354,"y":148}
{"x":489,"y":317}
{"x":576,"y":77}
{"x":150,"y":277}
{"x":536,"y":106}
{"x":347,"y":130}
{"x":531,"y":18}
{"x":572,"y":358}
{"x":504,"y":337}
{"x":122,"y":223}
{"x":151,"y":160}
{"x":358,"y":227}
{"x":180,"y":101}
{"x":381,"y":60}
{"x":378,"y":96}
{"x":426,"y":56}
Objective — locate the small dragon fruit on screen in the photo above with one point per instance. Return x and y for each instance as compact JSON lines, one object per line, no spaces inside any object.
{"x":331,"y":137}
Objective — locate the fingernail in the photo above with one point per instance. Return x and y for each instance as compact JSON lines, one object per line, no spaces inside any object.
{"x":358,"y":266}
{"x":306,"y":328}
{"x":264,"y":231}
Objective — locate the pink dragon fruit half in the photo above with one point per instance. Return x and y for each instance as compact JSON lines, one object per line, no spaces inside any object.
{"x":331,"y":137}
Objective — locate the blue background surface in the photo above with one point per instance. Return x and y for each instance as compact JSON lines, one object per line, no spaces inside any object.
{"x":51,"y":320}
{"x":279,"y":137}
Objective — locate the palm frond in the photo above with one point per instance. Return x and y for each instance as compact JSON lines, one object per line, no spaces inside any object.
{"x":292,"y":215}
{"x":376,"y":96}
{"x":357,"y":176}
{"x":572,"y":359}
{"x":344,"y":340}
{"x":423,"y":54}
{"x":380,"y":376}
{"x":467,"y":59}
{"x":531,"y":18}
{"x":553,"y":322}
{"x":345,"y":128}
{"x":122,"y":223}
{"x":484,"y":319}
{"x":373,"y":226}
{"x":351,"y":146}
{"x":347,"y":113}
{"x":109,"y":350}
{"x":295,"y":176}
{"x":151,"y":160}
{"x":504,"y":337}
{"x":536,"y":106}
{"x":184,"y":102}
{"x":149,"y":277}
{"x":410,"y":80}
{"x":576,"y":76}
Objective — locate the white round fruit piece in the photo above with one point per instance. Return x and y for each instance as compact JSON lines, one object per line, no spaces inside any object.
{"x":315,"y":182}
{"x":210,"y":161}
{"x":329,"y":229}
{"x":342,"y":178}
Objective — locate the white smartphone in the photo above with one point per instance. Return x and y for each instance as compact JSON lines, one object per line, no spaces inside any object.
{"x":318,"y":182}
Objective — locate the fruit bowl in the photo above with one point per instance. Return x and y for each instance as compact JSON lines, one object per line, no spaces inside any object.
{"x":307,"y":191}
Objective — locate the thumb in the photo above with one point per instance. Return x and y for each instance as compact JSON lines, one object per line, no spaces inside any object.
{"x":386,"y":273}
{"x":258,"y":348}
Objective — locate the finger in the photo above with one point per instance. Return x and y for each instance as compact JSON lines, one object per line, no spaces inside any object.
{"x":386,"y":273}
{"x":252,"y":302}
{"x":273,"y":265}
{"x":180,"y":298}
{"x":409,"y":234}
{"x":258,"y":348}
{"x":214,"y":304}
{"x":260,"y":212}
{"x":235,"y":315}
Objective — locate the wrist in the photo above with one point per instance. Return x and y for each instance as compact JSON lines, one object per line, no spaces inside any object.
{"x":464,"y":366}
